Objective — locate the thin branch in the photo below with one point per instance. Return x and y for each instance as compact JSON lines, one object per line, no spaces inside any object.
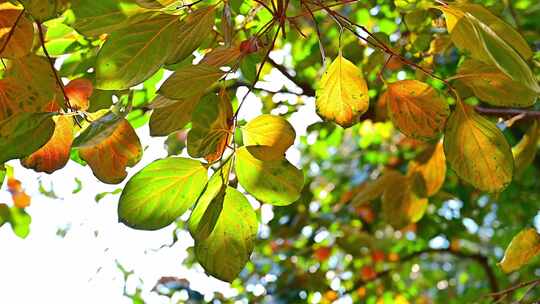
{"x":513,"y":288}
{"x":508,"y":112}
{"x":306,"y":88}
{"x":12,"y":31}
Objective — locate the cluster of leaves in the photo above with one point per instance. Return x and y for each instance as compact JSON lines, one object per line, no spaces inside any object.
{"x":114,"y":52}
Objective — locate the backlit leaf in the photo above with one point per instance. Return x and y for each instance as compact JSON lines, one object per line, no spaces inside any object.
{"x":98,"y":131}
{"x":42,"y":10}
{"x":22,"y":38}
{"x":173,"y":116}
{"x":157,"y":4}
{"x":55,"y":153}
{"x":211,"y":130}
{"x":24,"y":133}
{"x":225,"y":252}
{"x":93,"y":18}
{"x":79,"y":91}
{"x":223,"y":56}
{"x":477,"y":150}
{"x":416,"y":109}
{"x":525,"y":151}
{"x":374,"y":189}
{"x":161,"y":192}
{"x":189,"y":81}
{"x":431,"y":165}
{"x":275,"y":182}
{"x":270,"y":131}
{"x":401,"y":205}
{"x":110,"y":155}
{"x":523,"y":247}
{"x":342,"y":95}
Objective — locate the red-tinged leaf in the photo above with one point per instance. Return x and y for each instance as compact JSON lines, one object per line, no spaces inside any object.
{"x":20,"y":198}
{"x":79,"y":91}
{"x":54,"y":155}
{"x":22,"y":37}
{"x":110,"y":155}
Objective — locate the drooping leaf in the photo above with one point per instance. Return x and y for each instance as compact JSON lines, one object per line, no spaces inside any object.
{"x":22,"y":38}
{"x":477,"y":150}
{"x":416,"y":109}
{"x":342,"y":95}
{"x":161,"y":192}
{"x":493,"y":86}
{"x":24,"y":133}
{"x":190,"y":81}
{"x":211,"y":130}
{"x":225,"y":252}
{"x":525,"y":151}
{"x":270,"y":131}
{"x":401,"y":204}
{"x":54,"y":155}
{"x":431,"y":165}
{"x":275,"y":182}
{"x":110,"y":155}
{"x":93,"y":18}
{"x":172,"y":116}
{"x":133,"y":54}
{"x":523,"y":247}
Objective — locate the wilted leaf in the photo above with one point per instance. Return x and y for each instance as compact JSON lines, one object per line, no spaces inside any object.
{"x":189,"y":81}
{"x":22,"y":38}
{"x":342,"y":95}
{"x":416,"y":109}
{"x":275,"y":182}
{"x":225,"y":252}
{"x":55,"y":153}
{"x":477,"y":150}
{"x":161,"y":192}
{"x":431,"y":165}
{"x":523,"y":247}
{"x":525,"y":151}
{"x":172,"y":117}
{"x":211,"y":130}
{"x":270,"y":131}
{"x":24,"y":133}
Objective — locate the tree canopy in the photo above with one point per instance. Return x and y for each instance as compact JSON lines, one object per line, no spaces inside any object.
{"x":419,"y":183}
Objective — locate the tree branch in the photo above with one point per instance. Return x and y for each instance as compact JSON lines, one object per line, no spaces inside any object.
{"x":508,"y":112}
{"x":306,"y":87}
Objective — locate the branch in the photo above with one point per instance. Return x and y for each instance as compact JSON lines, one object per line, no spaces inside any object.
{"x":306,"y":87}
{"x":507,"y":112}
{"x":505,"y":292}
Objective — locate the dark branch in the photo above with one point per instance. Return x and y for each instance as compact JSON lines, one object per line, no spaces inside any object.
{"x":507,"y":112}
{"x":306,"y":87}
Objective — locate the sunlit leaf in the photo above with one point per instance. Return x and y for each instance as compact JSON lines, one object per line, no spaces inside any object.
{"x":270,"y":131}
{"x":477,"y":150}
{"x":22,"y":38}
{"x":226,"y":250}
{"x":172,"y":116}
{"x":431,"y":165}
{"x":275,"y":182}
{"x":93,"y":18}
{"x":223,"y":56}
{"x":44,"y":10}
{"x":342,"y":95}
{"x":189,"y":81}
{"x":523,"y":247}
{"x":374,"y":189}
{"x":79,"y":91}
{"x":161,"y":192}
{"x":157,"y":4}
{"x":401,"y":204}
{"x":416,"y":109}
{"x":525,"y":151}
{"x":54,"y":155}
{"x":24,"y":133}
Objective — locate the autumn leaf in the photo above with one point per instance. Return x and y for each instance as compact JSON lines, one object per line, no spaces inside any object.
{"x":78,"y":92}
{"x":190,"y":81}
{"x":342,"y":95}
{"x":523,"y":247}
{"x":525,"y":151}
{"x":22,"y":37}
{"x":93,"y":18}
{"x":374,"y":189}
{"x":431,"y":165}
{"x":416,"y":109}
{"x":270,"y":131}
{"x":171,"y":115}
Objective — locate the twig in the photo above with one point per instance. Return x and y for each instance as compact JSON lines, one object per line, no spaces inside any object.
{"x":506,"y":112}
{"x":513,"y":288}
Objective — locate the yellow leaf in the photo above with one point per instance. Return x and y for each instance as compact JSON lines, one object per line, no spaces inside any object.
{"x":431,"y":165}
{"x":271,"y":131}
{"x":525,"y":151}
{"x":342,"y":95}
{"x":477,"y":150}
{"x":401,"y":205}
{"x":416,"y":109}
{"x":22,"y":37}
{"x":523,"y":247}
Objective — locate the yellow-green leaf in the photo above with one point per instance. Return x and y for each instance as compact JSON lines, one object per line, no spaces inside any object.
{"x":93,"y":18}
{"x":190,"y":80}
{"x":342,"y":95}
{"x":270,"y":131}
{"x":171,"y":115}
{"x":417,"y":109}
{"x":477,"y":150}
{"x":523,"y":247}
{"x":43,"y":10}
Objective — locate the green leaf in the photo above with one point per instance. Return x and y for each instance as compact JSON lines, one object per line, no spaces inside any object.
{"x":203,"y":218}
{"x":133,"y":54}
{"x":161,"y":192}
{"x":342,"y":95}
{"x":477,"y":150}
{"x":190,"y":80}
{"x":270,"y":131}
{"x":211,"y":130}
{"x":3,"y":172}
{"x":93,"y":18}
{"x":43,"y":10}
{"x":275,"y":182}
{"x":523,"y":247}
{"x":226,"y":250}
{"x":98,"y":131}
{"x":20,"y":222}
{"x":172,"y":117}
{"x":24,"y":133}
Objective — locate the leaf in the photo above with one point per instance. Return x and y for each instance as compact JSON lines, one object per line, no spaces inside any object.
{"x":525,"y":151}
{"x":477,"y":150}
{"x":161,"y":192}
{"x":416,"y":109}
{"x":78,"y":92}
{"x":172,"y":117}
{"x":98,"y":131}
{"x":223,"y":56}
{"x":275,"y":182}
{"x":190,"y":81}
{"x":431,"y":165}
{"x":374,"y":189}
{"x":523,"y":247}
{"x":133,"y":54}
{"x":93,"y":18}
{"x":225,"y":252}
{"x":22,"y":38}
{"x":270,"y":131}
{"x":54,"y":155}
{"x":24,"y":133}
{"x":493,"y":86}
{"x":401,"y":204}
{"x":20,"y":222}
{"x":43,"y":10}
{"x":212,"y":127}
{"x":342,"y":95}
{"x":158,"y":4}
{"x":195,"y":28}
{"x":108,"y":156}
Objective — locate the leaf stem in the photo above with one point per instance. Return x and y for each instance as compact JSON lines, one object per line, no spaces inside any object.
{"x":12,"y":31}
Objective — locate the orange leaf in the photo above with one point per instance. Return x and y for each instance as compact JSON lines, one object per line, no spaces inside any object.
{"x":431,"y":165}
{"x":79,"y":91}
{"x":21,"y":200}
{"x":55,"y":154}
{"x":22,"y":38}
